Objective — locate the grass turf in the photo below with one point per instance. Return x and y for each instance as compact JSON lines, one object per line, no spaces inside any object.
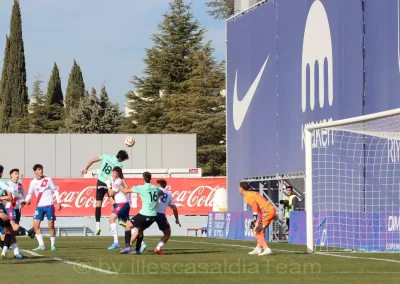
{"x":194,"y":260}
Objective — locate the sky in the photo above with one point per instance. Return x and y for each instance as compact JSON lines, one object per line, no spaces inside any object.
{"x":106,"y":38}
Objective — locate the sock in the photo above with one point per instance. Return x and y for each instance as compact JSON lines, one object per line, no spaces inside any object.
{"x":21,"y":231}
{"x":262,"y":241}
{"x":139,"y":241}
{"x":1,"y":244}
{"x":53,"y":241}
{"x":39,"y":238}
{"x":128,"y":235}
{"x":160,"y":245}
{"x":14,"y":247}
{"x":114,"y":232}
{"x":7,"y":241}
{"x":98,"y":216}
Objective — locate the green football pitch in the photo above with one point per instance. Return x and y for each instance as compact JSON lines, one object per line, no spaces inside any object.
{"x":193,"y":260}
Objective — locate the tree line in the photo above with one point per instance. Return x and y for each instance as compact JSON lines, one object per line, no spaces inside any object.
{"x":180,"y":92}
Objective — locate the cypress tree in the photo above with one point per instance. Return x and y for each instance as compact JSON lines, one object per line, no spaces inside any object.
{"x":75,"y":88}
{"x":4,"y":71}
{"x":15,"y":94}
{"x":54,"y":90}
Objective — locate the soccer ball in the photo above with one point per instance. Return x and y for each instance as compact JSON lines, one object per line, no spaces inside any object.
{"x":129,"y":141}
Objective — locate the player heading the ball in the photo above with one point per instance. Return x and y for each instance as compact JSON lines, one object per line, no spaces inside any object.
{"x":108,"y":162}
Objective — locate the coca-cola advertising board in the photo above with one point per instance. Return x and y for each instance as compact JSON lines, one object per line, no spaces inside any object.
{"x":192,"y":196}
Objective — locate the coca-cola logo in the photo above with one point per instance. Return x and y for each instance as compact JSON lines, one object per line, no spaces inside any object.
{"x":201,"y":196}
{"x":84,"y":198}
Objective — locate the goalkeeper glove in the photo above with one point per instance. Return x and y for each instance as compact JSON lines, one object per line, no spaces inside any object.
{"x":253,"y":221}
{"x":108,"y":183}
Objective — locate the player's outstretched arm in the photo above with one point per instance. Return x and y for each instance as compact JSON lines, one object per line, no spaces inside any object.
{"x":89,"y":164}
{"x":123,"y":189}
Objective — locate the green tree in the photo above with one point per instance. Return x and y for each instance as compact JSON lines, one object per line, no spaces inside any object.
{"x":54,"y":90}
{"x":76,"y":87}
{"x":221,"y":9}
{"x":110,"y":116}
{"x":4,"y":71}
{"x":85,"y":117}
{"x":168,"y":66}
{"x":35,"y":121}
{"x":15,"y":92}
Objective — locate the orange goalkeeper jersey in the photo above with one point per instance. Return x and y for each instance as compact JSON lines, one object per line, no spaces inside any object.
{"x":257,"y":202}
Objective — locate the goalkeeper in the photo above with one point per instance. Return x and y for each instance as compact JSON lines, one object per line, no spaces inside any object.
{"x":267,"y":213}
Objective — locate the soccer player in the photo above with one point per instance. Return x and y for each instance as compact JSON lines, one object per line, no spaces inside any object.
{"x":267,"y":213}
{"x":16,"y":192}
{"x":164,"y":201}
{"x":8,"y":240}
{"x":43,"y":187}
{"x":121,"y":210}
{"x":147,"y":215}
{"x":108,"y":162}
{"x":6,"y":191}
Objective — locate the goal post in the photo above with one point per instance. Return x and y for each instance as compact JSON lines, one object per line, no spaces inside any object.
{"x":352,"y":184}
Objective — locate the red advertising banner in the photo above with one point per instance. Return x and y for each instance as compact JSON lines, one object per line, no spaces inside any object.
{"x":193,"y":196}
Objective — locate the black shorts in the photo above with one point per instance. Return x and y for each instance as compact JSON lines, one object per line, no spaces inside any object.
{"x":5,"y":224}
{"x":143,"y":222}
{"x":101,"y":190}
{"x":162,"y":222}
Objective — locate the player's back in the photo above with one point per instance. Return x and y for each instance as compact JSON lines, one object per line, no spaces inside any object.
{"x":164,"y":201}
{"x":149,"y":195}
{"x":252,"y":196}
{"x":108,"y":162}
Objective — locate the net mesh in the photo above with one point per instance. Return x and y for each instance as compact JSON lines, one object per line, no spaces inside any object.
{"x":356,"y":186}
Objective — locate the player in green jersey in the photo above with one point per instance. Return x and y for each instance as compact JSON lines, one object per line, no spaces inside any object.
{"x":108,"y":162}
{"x":147,"y":215}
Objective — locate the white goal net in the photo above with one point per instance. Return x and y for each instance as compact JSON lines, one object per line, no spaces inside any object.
{"x":353,"y":184}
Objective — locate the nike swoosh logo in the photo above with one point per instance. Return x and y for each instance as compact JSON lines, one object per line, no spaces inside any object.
{"x":240,"y":108}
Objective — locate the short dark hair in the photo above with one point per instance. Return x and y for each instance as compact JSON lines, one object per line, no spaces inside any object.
{"x":289,"y":186}
{"x":147,"y":177}
{"x":14,"y":170}
{"x":122,"y":155}
{"x":119,"y":172}
{"x":245,"y":185}
{"x":37,"y":166}
{"x":1,"y":169}
{"x":162,"y":183}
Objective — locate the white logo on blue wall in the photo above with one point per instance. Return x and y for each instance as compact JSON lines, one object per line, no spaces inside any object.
{"x":317,"y":49}
{"x":240,"y":108}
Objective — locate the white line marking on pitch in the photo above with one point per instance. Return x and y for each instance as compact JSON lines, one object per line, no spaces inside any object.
{"x":78,"y":266}
{"x":292,"y":251}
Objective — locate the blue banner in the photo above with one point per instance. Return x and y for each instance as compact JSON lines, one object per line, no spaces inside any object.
{"x":231,"y":225}
{"x":382,"y":56}
{"x":251,"y":98}
{"x":289,"y":63}
{"x":352,"y":230}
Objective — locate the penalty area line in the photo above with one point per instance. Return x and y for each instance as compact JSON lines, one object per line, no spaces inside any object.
{"x":80,"y":268}
{"x":291,"y":251}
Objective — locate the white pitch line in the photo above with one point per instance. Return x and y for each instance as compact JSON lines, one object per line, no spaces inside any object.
{"x":292,"y":251}
{"x":78,"y":266}
{"x":229,"y":245}
{"x":358,"y":257}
